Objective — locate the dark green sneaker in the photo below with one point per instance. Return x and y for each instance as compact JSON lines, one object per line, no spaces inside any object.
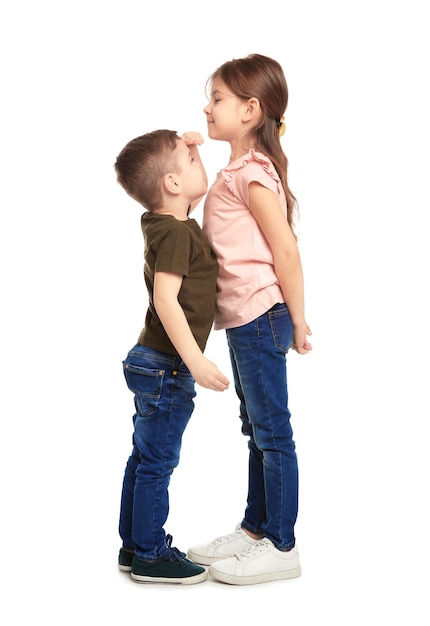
{"x":172,"y":567}
{"x":124,"y":560}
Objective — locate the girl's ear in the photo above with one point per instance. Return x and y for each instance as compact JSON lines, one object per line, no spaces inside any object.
{"x":252,"y":109}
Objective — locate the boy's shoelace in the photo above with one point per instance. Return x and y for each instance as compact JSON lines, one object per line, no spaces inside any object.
{"x":172,"y":554}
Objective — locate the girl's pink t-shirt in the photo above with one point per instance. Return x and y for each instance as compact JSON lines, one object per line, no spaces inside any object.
{"x":247,"y":285}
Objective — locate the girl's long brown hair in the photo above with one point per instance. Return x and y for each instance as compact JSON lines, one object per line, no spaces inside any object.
{"x":258,"y":76}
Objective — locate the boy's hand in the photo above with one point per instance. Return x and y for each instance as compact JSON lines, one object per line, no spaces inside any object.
{"x":206,"y":374}
{"x":192,"y":138}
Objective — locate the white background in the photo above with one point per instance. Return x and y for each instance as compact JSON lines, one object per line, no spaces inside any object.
{"x":79,"y":80}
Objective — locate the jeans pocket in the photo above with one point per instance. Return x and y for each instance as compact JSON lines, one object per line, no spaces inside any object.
{"x":146,"y":385}
{"x":282,"y":328}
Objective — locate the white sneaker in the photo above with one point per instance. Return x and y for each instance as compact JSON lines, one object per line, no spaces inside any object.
{"x":259,"y":564}
{"x":221,"y":548}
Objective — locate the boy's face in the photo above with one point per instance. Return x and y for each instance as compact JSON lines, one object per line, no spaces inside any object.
{"x":193,"y":179}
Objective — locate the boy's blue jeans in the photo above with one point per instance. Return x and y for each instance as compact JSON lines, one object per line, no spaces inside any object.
{"x":163,"y":395}
{"x":258,"y":356}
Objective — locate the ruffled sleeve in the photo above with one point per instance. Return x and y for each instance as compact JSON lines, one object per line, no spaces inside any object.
{"x":253,"y":167}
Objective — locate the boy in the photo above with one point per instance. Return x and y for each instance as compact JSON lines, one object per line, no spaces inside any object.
{"x":164,"y":173}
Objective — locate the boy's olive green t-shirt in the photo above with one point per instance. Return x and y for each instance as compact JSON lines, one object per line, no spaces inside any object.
{"x":180,"y":247}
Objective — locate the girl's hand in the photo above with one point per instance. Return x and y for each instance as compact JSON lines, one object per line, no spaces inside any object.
{"x":300,"y":343}
{"x":192,"y":138}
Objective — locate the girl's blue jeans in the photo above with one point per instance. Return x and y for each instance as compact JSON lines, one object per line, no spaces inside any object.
{"x":258,"y":356}
{"x":163,"y":391}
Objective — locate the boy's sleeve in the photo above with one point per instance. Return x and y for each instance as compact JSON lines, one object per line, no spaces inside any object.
{"x":172,"y":253}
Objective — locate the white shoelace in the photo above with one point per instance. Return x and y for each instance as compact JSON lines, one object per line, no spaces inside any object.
{"x":261,"y":546}
{"x":234,"y":535}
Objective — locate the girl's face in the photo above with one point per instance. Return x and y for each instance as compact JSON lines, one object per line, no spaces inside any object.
{"x":224,"y":113}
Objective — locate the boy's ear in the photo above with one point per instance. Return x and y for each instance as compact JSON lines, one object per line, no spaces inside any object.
{"x":171,"y":184}
{"x":252,"y":109}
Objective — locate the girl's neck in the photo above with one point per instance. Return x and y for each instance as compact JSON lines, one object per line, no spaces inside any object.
{"x":237,"y":154}
{"x":239,"y":151}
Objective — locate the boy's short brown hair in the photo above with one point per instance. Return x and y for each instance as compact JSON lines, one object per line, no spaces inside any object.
{"x":142,"y":163}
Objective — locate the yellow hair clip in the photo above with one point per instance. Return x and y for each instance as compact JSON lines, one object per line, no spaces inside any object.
{"x":280,"y":122}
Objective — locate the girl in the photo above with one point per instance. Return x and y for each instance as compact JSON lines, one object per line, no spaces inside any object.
{"x":249,"y":219}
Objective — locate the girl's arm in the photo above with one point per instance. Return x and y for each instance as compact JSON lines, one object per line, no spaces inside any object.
{"x":192,"y":140}
{"x":267,"y":211}
{"x":172,"y":316}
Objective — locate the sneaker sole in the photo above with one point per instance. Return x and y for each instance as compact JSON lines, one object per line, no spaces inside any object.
{"x":189,"y":580}
{"x":124,"y":568}
{"x":205,"y":560}
{"x":253,"y":580}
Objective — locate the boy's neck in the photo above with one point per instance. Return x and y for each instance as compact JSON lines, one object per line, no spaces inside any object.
{"x":179,"y":213}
